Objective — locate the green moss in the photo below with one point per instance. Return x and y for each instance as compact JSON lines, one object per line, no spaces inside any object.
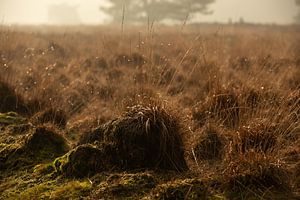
{"x":217,"y":197}
{"x":85,"y":160}
{"x":41,"y":191}
{"x":52,"y":190}
{"x":40,"y":146}
{"x":72,"y":190}
{"x":37,"y":184}
{"x":44,"y":168}
{"x":126,"y":186}
{"x":15,"y":129}
{"x":5,"y":151}
{"x":11,"y":118}
{"x":7,"y":185}
{"x":181,"y":189}
{"x":59,"y":162}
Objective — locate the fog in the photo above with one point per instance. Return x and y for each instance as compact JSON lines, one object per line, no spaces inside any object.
{"x":88,"y":12}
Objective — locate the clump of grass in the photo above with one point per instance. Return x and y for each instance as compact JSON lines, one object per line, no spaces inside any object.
{"x":74,"y":102}
{"x":10,"y":100}
{"x":57,"y":117}
{"x":146,"y":136}
{"x":98,"y":63}
{"x":209,"y":145}
{"x":294,"y":80}
{"x":106,"y":93}
{"x":242,"y":63}
{"x":253,"y":174}
{"x":134,"y":60}
{"x":255,"y":100}
{"x":222,"y":106}
{"x":167,"y":74}
{"x":257,"y":136}
{"x":114,"y":74}
{"x":252,"y":98}
{"x":293,"y":102}
{"x":153,"y":133}
{"x":297,"y":176}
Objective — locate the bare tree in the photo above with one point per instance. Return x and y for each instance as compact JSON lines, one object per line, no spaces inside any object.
{"x":141,"y":10}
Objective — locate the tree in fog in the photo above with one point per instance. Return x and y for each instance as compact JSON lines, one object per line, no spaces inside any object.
{"x":141,"y":10}
{"x":298,"y":16}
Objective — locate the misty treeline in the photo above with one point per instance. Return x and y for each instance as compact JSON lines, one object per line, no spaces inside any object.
{"x":139,"y":11}
{"x":298,"y":16}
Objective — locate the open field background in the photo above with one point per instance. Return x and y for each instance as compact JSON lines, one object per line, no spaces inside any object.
{"x":196,"y":112}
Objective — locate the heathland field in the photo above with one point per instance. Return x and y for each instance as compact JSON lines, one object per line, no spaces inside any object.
{"x":150,"y":112}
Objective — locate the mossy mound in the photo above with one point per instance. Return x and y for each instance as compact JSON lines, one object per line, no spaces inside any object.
{"x":45,"y":137}
{"x":13,"y":128}
{"x":85,"y":160}
{"x":41,"y":144}
{"x":125,"y":186}
{"x":145,"y":137}
{"x":193,"y":189}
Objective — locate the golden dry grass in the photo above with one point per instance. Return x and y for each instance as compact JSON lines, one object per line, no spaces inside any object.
{"x":233,"y":90}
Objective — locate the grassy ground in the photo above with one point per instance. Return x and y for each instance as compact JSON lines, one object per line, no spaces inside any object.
{"x":203,"y":112}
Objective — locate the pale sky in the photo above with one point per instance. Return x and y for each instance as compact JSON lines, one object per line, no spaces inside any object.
{"x":257,"y":11}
